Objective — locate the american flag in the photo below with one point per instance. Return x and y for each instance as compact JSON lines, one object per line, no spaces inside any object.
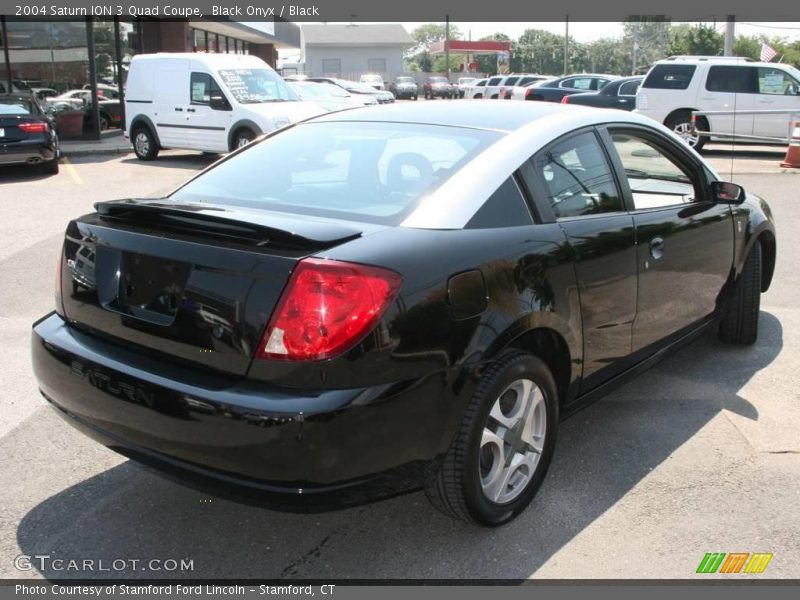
{"x":767,"y":53}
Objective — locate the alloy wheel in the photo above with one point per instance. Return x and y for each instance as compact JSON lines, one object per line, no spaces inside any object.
{"x":142,"y":143}
{"x":512,"y":441}
{"x":687,"y":133}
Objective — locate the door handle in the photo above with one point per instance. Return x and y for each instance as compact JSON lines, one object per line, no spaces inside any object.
{"x":178,"y":109}
{"x":190,"y":110}
{"x":657,"y":247}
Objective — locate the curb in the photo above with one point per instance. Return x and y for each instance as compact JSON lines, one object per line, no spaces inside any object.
{"x":94,"y":151}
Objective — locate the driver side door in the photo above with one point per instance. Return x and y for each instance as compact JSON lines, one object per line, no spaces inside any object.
{"x":684,"y":240}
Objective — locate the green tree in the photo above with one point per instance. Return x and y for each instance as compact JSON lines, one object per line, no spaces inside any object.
{"x":647,"y":38}
{"x":539,"y":51}
{"x":424,"y":37}
{"x":701,"y":40}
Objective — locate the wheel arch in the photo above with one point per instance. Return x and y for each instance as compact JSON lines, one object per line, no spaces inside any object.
{"x":140,"y":120}
{"x":768,"y":256}
{"x":242,"y":124}
{"x":678,"y":111}
{"x":549,"y":346}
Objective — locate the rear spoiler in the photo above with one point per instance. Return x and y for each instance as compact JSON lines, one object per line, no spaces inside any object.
{"x":253,"y":226}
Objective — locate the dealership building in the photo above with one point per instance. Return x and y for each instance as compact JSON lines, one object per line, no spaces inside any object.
{"x":60,"y":55}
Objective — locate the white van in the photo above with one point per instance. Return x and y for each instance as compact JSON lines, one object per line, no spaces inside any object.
{"x":676,"y":86}
{"x":208,"y":102}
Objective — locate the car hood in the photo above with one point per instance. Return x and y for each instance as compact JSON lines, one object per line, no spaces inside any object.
{"x":280,"y":112}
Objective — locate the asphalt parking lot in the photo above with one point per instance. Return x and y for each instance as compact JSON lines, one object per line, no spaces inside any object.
{"x":700,"y":454}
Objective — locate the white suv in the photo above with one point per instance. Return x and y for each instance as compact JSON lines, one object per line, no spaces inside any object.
{"x":676,"y":86}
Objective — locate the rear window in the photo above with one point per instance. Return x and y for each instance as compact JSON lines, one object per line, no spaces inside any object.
{"x":669,"y":77}
{"x":371,"y":172}
{"x":14,"y":107}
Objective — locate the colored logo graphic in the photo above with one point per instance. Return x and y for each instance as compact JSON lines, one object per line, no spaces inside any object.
{"x":734,"y":562}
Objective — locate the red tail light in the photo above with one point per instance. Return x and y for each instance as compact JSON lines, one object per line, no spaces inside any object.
{"x":528,"y":93}
{"x":326,"y":308}
{"x":37,"y":127}
{"x":565,"y":100}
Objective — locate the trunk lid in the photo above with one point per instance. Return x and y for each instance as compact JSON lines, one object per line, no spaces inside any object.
{"x":194,"y":282}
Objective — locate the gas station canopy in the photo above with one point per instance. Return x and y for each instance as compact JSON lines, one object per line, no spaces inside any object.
{"x":471,"y":48}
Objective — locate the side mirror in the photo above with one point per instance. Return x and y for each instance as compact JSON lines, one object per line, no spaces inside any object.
{"x":725,"y":192}
{"x":218,"y":102}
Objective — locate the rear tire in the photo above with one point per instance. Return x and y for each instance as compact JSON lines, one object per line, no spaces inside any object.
{"x":50,"y":167}
{"x":681,"y":124}
{"x":740,"y":323}
{"x":144,"y":143}
{"x":495,"y":466}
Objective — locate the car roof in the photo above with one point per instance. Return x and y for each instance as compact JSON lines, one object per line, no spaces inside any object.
{"x":211,"y":60}
{"x":472,"y":114}
{"x":718,"y":60}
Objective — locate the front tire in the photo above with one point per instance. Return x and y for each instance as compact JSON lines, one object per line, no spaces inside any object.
{"x":144,"y":144}
{"x":740,"y":323}
{"x":681,"y":124}
{"x":501,"y":452}
{"x":242,"y":138}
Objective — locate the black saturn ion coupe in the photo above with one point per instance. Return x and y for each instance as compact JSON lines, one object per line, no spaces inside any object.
{"x":386,"y":299}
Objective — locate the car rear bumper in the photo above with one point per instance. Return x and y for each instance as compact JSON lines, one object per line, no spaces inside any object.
{"x":286,"y":449}
{"x":25,"y":152}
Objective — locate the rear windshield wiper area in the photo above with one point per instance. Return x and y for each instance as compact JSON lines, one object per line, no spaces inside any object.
{"x":230,"y":224}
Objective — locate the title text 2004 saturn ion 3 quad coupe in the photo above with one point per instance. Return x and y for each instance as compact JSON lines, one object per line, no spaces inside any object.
{"x":408,"y":297}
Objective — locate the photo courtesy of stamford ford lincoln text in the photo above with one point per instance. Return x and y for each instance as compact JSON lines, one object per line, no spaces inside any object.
{"x":357,"y":299}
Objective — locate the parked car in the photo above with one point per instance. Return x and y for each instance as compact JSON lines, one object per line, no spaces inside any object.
{"x":507,"y":85}
{"x":276,"y":331}
{"x":492,"y":88}
{"x":438,"y":87}
{"x":620,"y":93}
{"x":208,"y":102}
{"x":109,"y":91}
{"x":27,"y":134}
{"x":475,"y":89}
{"x":462,"y":84}
{"x":357,"y":89}
{"x":42,"y":94}
{"x":110,"y":112}
{"x":375,"y":81}
{"x":71,"y":99}
{"x":676,"y":86}
{"x":553,"y":90}
{"x":521,"y":86}
{"x":328,"y":96}
{"x":518,"y":92}
{"x":404,"y":87}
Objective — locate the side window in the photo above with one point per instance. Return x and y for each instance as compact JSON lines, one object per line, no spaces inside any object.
{"x":669,"y":77}
{"x":578,"y":178}
{"x":376,"y":65}
{"x":628,"y":89}
{"x":506,"y":207}
{"x":203,"y":87}
{"x":510,"y":81}
{"x":578,"y":83}
{"x":776,"y":82}
{"x":731,"y":79}
{"x":494,"y":81}
{"x":655,"y":179}
{"x":600,"y":84}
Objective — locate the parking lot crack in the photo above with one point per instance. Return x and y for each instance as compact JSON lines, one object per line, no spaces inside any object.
{"x":293,"y":569}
